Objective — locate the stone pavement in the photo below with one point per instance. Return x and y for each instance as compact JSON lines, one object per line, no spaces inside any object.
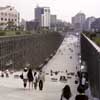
{"x":66,"y":58}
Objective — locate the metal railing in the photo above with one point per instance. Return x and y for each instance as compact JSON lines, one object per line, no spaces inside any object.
{"x":90,"y":53}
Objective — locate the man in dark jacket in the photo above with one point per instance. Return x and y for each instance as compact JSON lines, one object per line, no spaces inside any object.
{"x":81,"y":95}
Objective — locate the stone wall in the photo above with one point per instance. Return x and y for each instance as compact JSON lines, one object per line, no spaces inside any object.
{"x":20,"y":51}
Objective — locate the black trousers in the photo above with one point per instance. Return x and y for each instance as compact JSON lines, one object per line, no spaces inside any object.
{"x":35,"y":85}
{"x":40,"y":84}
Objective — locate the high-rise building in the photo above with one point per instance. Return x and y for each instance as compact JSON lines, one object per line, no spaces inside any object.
{"x":78,"y":21}
{"x":42,"y":15}
{"x":9,"y":14}
{"x":88,"y":22}
{"x":95,"y":26}
{"x":38,"y":12}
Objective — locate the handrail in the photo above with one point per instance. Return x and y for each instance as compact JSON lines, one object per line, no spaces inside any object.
{"x":94,"y":44}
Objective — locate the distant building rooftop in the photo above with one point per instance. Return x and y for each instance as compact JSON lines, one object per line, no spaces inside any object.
{"x":2,"y":8}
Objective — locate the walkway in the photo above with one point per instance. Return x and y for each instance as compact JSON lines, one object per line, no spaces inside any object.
{"x":66,"y":58}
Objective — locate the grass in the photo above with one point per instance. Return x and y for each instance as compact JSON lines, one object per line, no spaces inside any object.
{"x":94,"y":37}
{"x":97,"y":40}
{"x":11,"y":33}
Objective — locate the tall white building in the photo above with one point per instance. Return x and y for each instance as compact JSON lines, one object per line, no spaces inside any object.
{"x":9,"y":14}
{"x":78,"y":21}
{"x":42,"y":15}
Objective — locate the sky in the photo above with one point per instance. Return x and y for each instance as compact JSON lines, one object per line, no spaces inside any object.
{"x":64,"y":9}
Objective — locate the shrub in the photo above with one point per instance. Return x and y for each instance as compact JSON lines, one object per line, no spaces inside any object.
{"x":27,"y":32}
{"x":2,"y":33}
{"x":97,"y":41}
{"x":18,"y":32}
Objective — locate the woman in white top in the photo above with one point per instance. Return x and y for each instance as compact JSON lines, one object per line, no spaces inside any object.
{"x":25,"y":78}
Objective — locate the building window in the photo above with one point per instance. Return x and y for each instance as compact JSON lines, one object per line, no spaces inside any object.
{"x":2,"y":19}
{"x":5,"y":19}
{"x":12,"y":20}
{"x":15,"y":19}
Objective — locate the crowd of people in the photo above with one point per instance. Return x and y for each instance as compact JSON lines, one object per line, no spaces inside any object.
{"x":33,"y":79}
{"x":36,"y":79}
{"x":4,"y":73}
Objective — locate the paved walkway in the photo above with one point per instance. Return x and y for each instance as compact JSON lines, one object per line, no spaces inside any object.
{"x":66,"y":58}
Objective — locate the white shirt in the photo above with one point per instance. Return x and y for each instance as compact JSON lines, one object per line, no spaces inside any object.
{"x":25,"y":75}
{"x":83,"y":80}
{"x":35,"y":78}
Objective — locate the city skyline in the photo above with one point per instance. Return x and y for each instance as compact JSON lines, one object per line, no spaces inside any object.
{"x":64,"y":9}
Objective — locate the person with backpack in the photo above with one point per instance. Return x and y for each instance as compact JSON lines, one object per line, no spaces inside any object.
{"x":35,"y":80}
{"x":66,"y":93}
{"x":30,"y":78}
{"x":84,"y":81}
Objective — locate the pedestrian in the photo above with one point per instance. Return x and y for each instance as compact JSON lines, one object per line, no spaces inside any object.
{"x":7,"y":73}
{"x":79,"y":74}
{"x":66,"y":71}
{"x":51,"y":72}
{"x":76,"y":79}
{"x":24,"y":77}
{"x":66,"y":93}
{"x":84,"y":81}
{"x":35,"y":80}
{"x":81,"y":95}
{"x":2,"y":74}
{"x":41,"y":80}
{"x":30,"y":78}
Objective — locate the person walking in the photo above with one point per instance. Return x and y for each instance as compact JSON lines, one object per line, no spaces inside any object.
{"x":41,"y":80}
{"x":35,"y":80}
{"x":66,"y":93}
{"x":84,"y":81}
{"x":30,"y":78}
{"x":25,"y":78}
{"x":81,"y":95}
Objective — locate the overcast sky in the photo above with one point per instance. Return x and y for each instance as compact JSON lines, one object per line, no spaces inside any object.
{"x":64,"y":9}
